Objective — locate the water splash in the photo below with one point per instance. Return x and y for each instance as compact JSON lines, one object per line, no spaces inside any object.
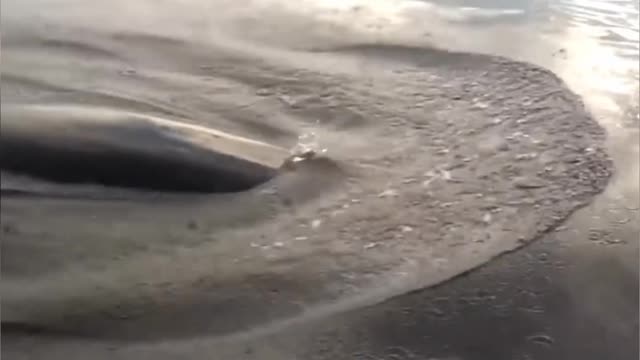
{"x":308,"y":146}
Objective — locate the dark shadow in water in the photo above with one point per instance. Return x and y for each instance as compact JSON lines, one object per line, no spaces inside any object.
{"x":135,"y":155}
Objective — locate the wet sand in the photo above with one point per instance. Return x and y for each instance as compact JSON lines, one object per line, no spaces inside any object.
{"x":461,"y":175}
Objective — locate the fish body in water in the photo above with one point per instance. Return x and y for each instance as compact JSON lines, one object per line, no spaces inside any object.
{"x":113,"y":148}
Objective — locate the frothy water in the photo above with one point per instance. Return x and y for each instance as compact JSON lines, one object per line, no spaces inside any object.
{"x":308,"y":145}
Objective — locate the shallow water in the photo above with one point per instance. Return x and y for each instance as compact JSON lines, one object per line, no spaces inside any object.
{"x":570,"y":38}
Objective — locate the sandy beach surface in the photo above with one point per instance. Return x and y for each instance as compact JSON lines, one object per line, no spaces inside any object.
{"x":441,"y":139}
